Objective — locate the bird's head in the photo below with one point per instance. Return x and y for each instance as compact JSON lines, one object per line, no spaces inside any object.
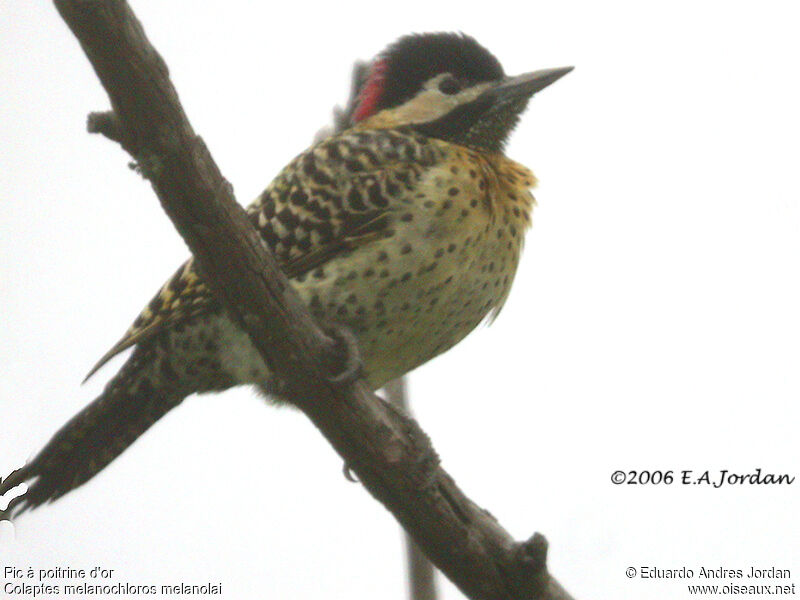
{"x":446,"y":86}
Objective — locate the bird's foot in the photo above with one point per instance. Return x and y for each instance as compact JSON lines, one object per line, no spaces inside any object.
{"x":347,"y":365}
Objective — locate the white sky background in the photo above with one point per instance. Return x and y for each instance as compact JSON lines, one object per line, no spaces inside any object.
{"x":654,"y":321}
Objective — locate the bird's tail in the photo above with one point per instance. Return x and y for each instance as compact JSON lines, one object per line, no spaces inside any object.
{"x":131,"y":402}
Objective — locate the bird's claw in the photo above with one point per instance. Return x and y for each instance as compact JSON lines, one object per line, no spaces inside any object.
{"x":348,"y":356}
{"x":348,"y":473}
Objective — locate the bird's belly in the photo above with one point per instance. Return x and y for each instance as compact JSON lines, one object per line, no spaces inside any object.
{"x":403,"y":314}
{"x":420,"y":322}
{"x":446,"y":262}
{"x":411,"y":306}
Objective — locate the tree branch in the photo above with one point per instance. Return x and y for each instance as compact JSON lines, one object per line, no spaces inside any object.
{"x":388,"y":451}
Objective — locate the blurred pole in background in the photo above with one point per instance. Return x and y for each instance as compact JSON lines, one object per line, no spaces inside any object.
{"x":421,"y":576}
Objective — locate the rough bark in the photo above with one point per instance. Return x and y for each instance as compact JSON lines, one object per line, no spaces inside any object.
{"x":391,"y":455}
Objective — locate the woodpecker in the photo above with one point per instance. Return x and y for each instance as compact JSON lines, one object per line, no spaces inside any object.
{"x":406,"y":228}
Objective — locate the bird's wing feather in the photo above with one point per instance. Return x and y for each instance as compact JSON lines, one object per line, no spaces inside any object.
{"x":336,"y":196}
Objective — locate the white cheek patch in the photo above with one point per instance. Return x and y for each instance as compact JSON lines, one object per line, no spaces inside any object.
{"x":426,"y":106}
{"x":430,"y":104}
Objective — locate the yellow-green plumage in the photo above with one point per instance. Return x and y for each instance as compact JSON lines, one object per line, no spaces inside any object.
{"x":407,"y":240}
{"x":405,"y":228}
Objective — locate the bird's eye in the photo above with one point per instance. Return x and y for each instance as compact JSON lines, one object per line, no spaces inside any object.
{"x":449,"y":85}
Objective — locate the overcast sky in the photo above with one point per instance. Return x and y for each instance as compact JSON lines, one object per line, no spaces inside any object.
{"x":653,"y":325}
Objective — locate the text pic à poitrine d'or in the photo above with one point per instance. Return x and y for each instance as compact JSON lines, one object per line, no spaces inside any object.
{"x":715,"y":573}
{"x":726,"y":477}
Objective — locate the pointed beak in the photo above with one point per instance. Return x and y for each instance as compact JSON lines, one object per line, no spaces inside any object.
{"x":526,"y":85}
{"x":486,"y":121}
{"x":503,"y":104}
